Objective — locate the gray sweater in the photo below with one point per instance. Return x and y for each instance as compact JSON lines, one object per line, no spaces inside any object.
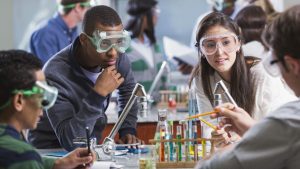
{"x":78,"y":105}
{"x":273,"y":143}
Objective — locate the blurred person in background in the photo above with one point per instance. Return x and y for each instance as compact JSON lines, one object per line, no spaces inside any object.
{"x":59,"y":31}
{"x":144,"y":53}
{"x":252,"y":20}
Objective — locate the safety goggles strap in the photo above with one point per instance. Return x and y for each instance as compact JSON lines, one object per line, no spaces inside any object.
{"x":70,"y":6}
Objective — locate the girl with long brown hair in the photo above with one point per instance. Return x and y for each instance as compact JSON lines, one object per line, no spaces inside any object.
{"x":221,"y":58}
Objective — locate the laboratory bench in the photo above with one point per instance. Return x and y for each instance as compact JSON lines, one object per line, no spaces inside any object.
{"x":146,"y":126}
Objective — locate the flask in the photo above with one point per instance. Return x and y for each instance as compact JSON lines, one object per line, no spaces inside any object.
{"x":217,"y":102}
{"x":217,"y":99}
{"x":143,"y":106}
{"x":162,"y":132}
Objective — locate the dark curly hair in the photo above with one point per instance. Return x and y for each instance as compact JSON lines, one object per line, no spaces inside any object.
{"x":17,"y":71}
{"x":102,"y":15}
{"x":66,"y":11}
{"x":137,"y":9}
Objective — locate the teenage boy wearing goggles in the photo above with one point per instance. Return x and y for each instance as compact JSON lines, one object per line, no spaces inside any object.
{"x":85,"y":74}
{"x":24,"y":93}
{"x":59,"y":31}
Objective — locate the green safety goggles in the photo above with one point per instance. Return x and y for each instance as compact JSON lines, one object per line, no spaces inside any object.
{"x":49,"y":94}
{"x":70,"y":6}
{"x":220,"y":5}
{"x":103,"y":41}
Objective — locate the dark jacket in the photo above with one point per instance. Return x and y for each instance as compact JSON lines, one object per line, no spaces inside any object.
{"x":78,"y":105}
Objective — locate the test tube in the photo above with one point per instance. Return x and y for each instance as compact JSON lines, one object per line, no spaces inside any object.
{"x":186,"y":131}
{"x":171,"y":146}
{"x":179,"y":146}
{"x":217,"y":101}
{"x":203,"y":142}
{"x":195,"y":142}
{"x":162,"y":146}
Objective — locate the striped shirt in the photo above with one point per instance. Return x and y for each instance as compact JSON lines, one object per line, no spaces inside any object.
{"x":145,"y":64}
{"x":16,"y":153}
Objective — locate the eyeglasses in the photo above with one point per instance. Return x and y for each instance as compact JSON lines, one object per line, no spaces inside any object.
{"x":103,"y":41}
{"x":274,"y":61}
{"x":270,"y":65}
{"x":227,"y":42}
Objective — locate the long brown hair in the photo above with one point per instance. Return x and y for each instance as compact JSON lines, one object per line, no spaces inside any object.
{"x":252,"y":21}
{"x":242,"y":86}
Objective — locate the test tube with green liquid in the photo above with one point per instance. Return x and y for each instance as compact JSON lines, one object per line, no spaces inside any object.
{"x":179,"y":146}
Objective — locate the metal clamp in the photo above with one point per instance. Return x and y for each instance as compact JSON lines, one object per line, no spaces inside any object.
{"x":221,"y":85}
{"x":108,"y":143}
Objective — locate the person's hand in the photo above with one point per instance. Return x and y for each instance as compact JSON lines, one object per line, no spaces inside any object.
{"x":79,"y":158}
{"x":130,"y":139}
{"x":108,"y":81}
{"x":185,"y":69}
{"x":236,"y":119}
{"x":220,"y":137}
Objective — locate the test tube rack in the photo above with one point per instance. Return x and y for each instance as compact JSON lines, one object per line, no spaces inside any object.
{"x":184,"y":164}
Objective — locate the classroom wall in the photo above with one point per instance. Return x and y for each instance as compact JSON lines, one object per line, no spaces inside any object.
{"x":289,"y":3}
{"x":6,"y":26}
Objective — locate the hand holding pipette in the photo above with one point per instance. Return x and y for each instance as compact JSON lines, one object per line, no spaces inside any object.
{"x":221,"y":138}
{"x":201,"y":114}
{"x":237,"y":118}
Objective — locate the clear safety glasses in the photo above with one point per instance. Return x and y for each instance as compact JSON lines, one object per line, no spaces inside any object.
{"x":105,"y":40}
{"x":49,"y":93}
{"x":271,"y":65}
{"x":227,"y":42}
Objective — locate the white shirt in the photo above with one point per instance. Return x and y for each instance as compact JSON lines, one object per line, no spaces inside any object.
{"x":273,"y":143}
{"x":91,"y":75}
{"x":145,"y":50}
{"x":254,"y":48}
{"x":271,"y":92}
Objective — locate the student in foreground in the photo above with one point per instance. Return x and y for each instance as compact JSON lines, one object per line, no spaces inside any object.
{"x":272,"y":143}
{"x":23,"y":94}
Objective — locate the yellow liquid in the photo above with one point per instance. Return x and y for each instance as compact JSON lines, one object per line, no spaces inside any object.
{"x":145,"y":163}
